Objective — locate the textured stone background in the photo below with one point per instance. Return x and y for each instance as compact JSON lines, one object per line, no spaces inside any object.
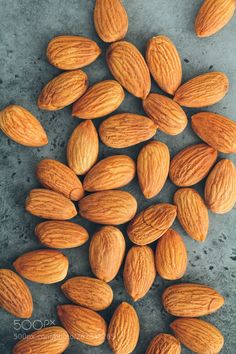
{"x":26,"y":27}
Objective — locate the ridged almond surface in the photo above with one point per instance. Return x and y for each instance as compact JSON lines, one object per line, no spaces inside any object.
{"x":203,"y":90}
{"x":110,"y":20}
{"x":151,"y":223}
{"x":61,"y":234}
{"x":15,"y":296}
{"x":171,"y":256}
{"x":192,"y":164}
{"x":82,"y":148}
{"x":164,"y":63}
{"x":110,"y":173}
{"x":192,"y":213}
{"x":112,"y":207}
{"x":153,"y":168}
{"x":48,"y":204}
{"x":101,"y":99}
{"x":123,"y":330}
{"x":92,"y":293}
{"x":197,"y":335}
{"x":22,"y":127}
{"x":83,"y":324}
{"x":139,"y":271}
{"x":164,"y":344}
{"x":106,"y":252}
{"x":128,"y":66}
{"x":42,"y":266}
{"x":166,"y":113}
{"x":126,"y":129}
{"x":216,"y":130}
{"x":220,"y":187}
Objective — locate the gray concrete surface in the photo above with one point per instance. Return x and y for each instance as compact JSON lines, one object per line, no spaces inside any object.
{"x":25,"y":28}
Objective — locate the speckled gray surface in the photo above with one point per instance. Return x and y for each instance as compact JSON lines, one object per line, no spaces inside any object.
{"x":25,"y":28}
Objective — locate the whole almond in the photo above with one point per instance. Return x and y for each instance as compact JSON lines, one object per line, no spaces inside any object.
{"x":171,"y":256}
{"x":42,"y":266}
{"x":139,"y":271}
{"x":153,"y":168}
{"x":126,"y":129}
{"x":106,"y":252}
{"x":164,"y":344}
{"x":151,"y":223}
{"x":15,"y":296}
{"x":192,"y":164}
{"x":164,"y":63}
{"x":101,"y":99}
{"x":22,"y":127}
{"x":128,"y":66}
{"x":203,"y":90}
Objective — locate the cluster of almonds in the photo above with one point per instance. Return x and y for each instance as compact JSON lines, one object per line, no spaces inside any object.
{"x":108,"y":205}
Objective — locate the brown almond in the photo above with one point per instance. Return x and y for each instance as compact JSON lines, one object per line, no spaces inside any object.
{"x":164,"y":344}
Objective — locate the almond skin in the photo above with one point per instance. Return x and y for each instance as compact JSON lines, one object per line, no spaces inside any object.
{"x":197,"y":335}
{"x":101,"y":99}
{"x":220,"y":187}
{"x":110,"y":173}
{"x":15,"y":296}
{"x":151,"y":223}
{"x":61,"y":234}
{"x":22,"y":127}
{"x":171,"y":256}
{"x":216,"y":130}
{"x":83,"y":324}
{"x":112,"y":207}
{"x":123,"y":330}
{"x":110,"y":20}
{"x":139,"y":271}
{"x":164,"y":344}
{"x":89,"y":292}
{"x":166,"y":113}
{"x":129,"y":68}
{"x":203,"y":90}
{"x":106,"y":252}
{"x":72,"y":52}
{"x":55,"y":175}
{"x":153,"y":168}
{"x":126,"y":129}
{"x":192,"y":164}
{"x":42,"y":266}
{"x":82,"y":148}
{"x":192,"y":213}
{"x":164,"y":63}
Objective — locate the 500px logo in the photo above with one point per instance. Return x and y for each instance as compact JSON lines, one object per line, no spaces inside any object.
{"x":27,"y":325}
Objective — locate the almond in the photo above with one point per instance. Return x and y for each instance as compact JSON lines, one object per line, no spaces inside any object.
{"x":22,"y":127}
{"x":123,"y":330}
{"x":203,"y":90}
{"x":151,"y":223}
{"x":100,"y":100}
{"x":49,"y":205}
{"x":128,"y":66}
{"x":82,"y":148}
{"x":192,"y":213}
{"x":164,"y":344}
{"x":61,"y":234}
{"x":153,"y":168}
{"x":171,"y":256}
{"x":83,"y":324}
{"x":164,"y":63}
{"x":220,"y":187}
{"x":126,"y":129}
{"x":166,"y":113}
{"x":216,"y":130}
{"x":106,"y":252}
{"x":92,"y":293}
{"x":110,"y":173}
{"x":192,"y":164}
{"x":42,"y":266}
{"x":110,"y":20}
{"x":15,"y":296}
